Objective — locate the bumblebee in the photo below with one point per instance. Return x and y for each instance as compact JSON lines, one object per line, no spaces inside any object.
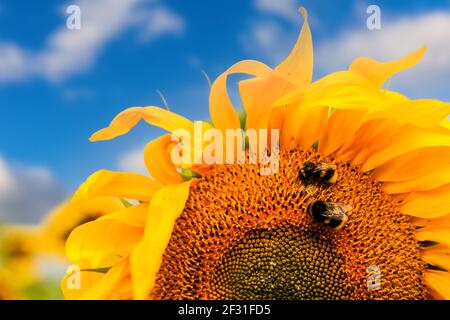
{"x":318,"y":172}
{"x":330,"y":213}
{"x":312,"y":174}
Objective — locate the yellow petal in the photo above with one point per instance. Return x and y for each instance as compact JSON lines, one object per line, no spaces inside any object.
{"x":372,"y":136}
{"x":340,"y":128}
{"x":441,"y":222}
{"x":348,"y":97}
{"x":69,"y":213}
{"x":146,"y":258}
{"x":120,"y":184}
{"x":134,"y":216}
{"x":437,"y":249}
{"x":258,"y":114}
{"x":378,"y":72}
{"x":395,"y":96}
{"x":101,"y":242}
{"x":277,"y":117}
{"x":297,"y":68}
{"x":124,"y":289}
{"x":426,"y":113}
{"x":437,"y":259}
{"x":249,"y":90}
{"x":311,"y":125}
{"x":61,"y":221}
{"x":440,"y":235}
{"x":432,"y":180}
{"x":428,"y":204}
{"x":414,"y":164}
{"x":328,"y":88}
{"x":340,"y":90}
{"x":222,"y":112}
{"x":446,"y":124}
{"x":406,"y":139}
{"x":101,"y":205}
{"x":344,"y":97}
{"x":312,"y":132}
{"x":158,"y":161}
{"x":439,"y":283}
{"x":259,"y":95}
{"x":106,"y":286}
{"x":87,"y":279}
{"x":128,"y":118}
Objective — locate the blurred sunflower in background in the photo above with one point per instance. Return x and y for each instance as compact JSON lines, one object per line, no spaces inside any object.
{"x":16,"y":261}
{"x":228,"y":232}
{"x":23,"y":248}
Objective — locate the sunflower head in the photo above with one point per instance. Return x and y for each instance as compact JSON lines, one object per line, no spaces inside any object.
{"x":357,"y":208}
{"x":17,"y":260}
{"x":17,"y":243}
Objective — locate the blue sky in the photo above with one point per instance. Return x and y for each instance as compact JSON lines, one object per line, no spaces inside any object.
{"x":58,"y":86}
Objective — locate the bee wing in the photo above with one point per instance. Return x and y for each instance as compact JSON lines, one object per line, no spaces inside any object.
{"x":317,"y":169}
{"x":336,"y":210}
{"x":345,"y":207}
{"x":325,"y":166}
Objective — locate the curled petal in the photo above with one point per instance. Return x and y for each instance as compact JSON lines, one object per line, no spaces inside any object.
{"x":297,"y":68}
{"x":222,"y":112}
{"x":99,"y":243}
{"x":128,"y":118}
{"x":119,"y":184}
{"x":378,"y":72}
{"x":158,"y":161}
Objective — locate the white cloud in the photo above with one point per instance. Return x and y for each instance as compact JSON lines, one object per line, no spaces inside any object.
{"x":133,"y":161}
{"x":397,"y":37}
{"x":12,"y":62}
{"x":69,"y":52}
{"x":267,"y":40}
{"x":6,"y":179}
{"x":159,"y":22}
{"x":287,"y":9}
{"x":27,"y":193}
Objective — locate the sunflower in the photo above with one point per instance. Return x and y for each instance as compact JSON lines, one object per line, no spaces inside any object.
{"x":7,"y":286}
{"x":17,"y":247}
{"x":228,"y":232}
{"x":22,"y":246}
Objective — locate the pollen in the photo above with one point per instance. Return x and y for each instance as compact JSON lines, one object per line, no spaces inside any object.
{"x":247,"y":236}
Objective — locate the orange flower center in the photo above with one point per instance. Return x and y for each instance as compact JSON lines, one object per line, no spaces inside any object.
{"x":247,"y":236}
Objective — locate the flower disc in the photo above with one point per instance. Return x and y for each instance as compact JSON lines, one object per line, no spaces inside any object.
{"x":247,"y":236}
